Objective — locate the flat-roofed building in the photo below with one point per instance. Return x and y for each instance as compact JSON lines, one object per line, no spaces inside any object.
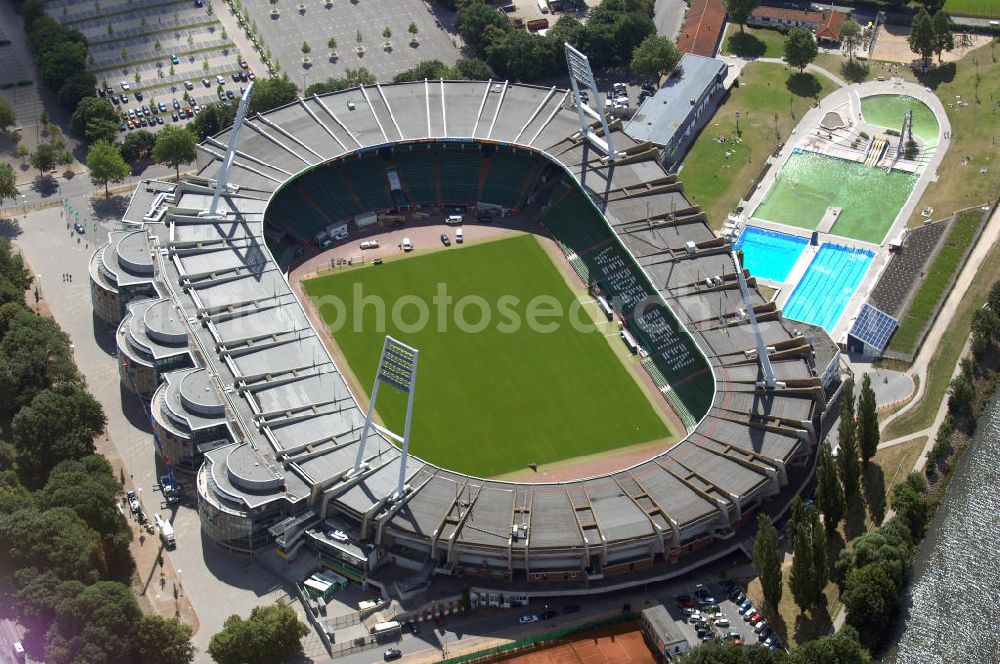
{"x":673,"y":116}
{"x":662,"y":633}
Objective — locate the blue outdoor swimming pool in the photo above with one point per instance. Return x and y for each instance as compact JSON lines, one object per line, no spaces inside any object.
{"x":769,"y":254}
{"x":828,"y":285}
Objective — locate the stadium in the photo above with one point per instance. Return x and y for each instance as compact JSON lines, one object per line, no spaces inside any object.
{"x":246,"y":396}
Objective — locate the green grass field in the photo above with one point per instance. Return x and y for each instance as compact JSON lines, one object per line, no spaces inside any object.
{"x":939,"y":275}
{"x":770,"y":100}
{"x":493,"y":401}
{"x":754,"y":43}
{"x":984,"y":8}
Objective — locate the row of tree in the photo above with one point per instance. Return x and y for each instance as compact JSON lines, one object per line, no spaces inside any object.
{"x":931,"y":35}
{"x":614,"y":32}
{"x":64,"y":546}
{"x":840,"y":648}
{"x":61,"y":54}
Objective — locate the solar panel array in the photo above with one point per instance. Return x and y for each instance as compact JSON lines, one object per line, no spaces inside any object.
{"x":874,"y":327}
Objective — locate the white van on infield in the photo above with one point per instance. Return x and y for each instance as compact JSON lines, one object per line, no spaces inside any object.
{"x":453,"y":219}
{"x":407,"y":245}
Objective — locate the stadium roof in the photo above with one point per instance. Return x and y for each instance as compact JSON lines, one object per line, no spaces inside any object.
{"x":289,"y":405}
{"x":874,"y":327}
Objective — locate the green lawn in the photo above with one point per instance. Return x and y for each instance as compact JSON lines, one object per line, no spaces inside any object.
{"x":754,"y":43}
{"x":939,"y":275}
{"x":974,"y":133}
{"x":493,"y":401}
{"x":986,"y":8}
{"x":770,"y":100}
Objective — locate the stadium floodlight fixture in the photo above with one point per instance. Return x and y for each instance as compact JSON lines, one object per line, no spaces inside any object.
{"x":398,"y":368}
{"x":222,"y":178}
{"x":763,"y":359}
{"x":581,"y":74}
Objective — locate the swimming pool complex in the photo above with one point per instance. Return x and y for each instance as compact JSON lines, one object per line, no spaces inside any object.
{"x":888,"y":110}
{"x":828,"y":284}
{"x":809,"y":183}
{"x":769,"y":254}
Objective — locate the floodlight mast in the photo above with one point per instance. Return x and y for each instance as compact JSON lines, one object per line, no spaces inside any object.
{"x":763,"y":359}
{"x":398,"y":368}
{"x":223,"y":177}
{"x":580,"y":73}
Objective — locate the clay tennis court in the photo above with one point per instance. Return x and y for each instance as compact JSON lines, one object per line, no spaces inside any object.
{"x":607,"y":645}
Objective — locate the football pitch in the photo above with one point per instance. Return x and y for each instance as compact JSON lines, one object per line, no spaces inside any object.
{"x":492,"y":395}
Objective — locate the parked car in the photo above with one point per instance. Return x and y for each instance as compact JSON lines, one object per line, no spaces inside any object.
{"x":745,"y":606}
{"x":162,"y":107}
{"x":230,"y":94}
{"x":392,"y":654}
{"x":189,"y":85}
{"x":220,"y":79}
{"x":138,"y":95}
{"x":207,"y":83}
{"x":684,"y":600}
{"x":722,"y":622}
{"x":748,"y":616}
{"x":175,"y":103}
{"x":174,"y":116}
{"x":125,"y":85}
{"x":174,"y":59}
{"x":159,"y":119}
{"x":133,"y":502}
{"x":528,"y":618}
{"x":123,"y":97}
{"x":445,"y":240}
{"x":250,"y":75}
{"x":243,"y":64}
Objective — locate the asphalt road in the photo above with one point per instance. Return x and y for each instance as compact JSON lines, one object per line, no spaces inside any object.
{"x":9,"y":633}
{"x":668,"y":15}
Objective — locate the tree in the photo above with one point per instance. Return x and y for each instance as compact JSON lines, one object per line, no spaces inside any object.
{"x":726,"y":652}
{"x":97,"y":625}
{"x":829,"y":492}
{"x":61,"y":61}
{"x":847,"y":453}
{"x":993,"y":301}
{"x":630,"y":30}
{"x":740,"y":10}
{"x":473,"y":69}
{"x":44,"y":157}
{"x":95,"y":119}
{"x":139,"y":144}
{"x":867,"y":432}
{"x":54,"y":540}
{"x":961,"y":394}
{"x":473,"y":19}
{"x":428,"y":69}
{"x":797,"y":511}
{"x":655,"y":56}
{"x":944,"y":39}
{"x":60,"y":423}
{"x":387,"y":33}
{"x":800,"y":48}
{"x":801,"y":581}
{"x":821,"y":563}
{"x":412,"y":29}
{"x":887,"y":547}
{"x":8,"y":182}
{"x":271,"y":93}
{"x":566,"y":30}
{"x":106,"y":164}
{"x":850,"y":36}
{"x":163,"y":640}
{"x":767,"y":560}
{"x":332,"y":43}
{"x":840,"y":648}
{"x":175,"y":146}
{"x":212,"y":120}
{"x":911,"y":507}
{"x":870,"y":600}
{"x":7,"y":115}
{"x":922,"y":39}
{"x":306,"y":48}
{"x":271,"y":634}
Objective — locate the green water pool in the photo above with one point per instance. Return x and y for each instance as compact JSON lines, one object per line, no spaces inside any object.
{"x":888,"y":111}
{"x":808,"y":183}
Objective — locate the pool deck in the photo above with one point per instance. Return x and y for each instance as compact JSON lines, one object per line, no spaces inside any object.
{"x":850,"y":96}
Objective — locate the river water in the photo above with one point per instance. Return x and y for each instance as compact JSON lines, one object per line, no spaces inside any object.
{"x":952,"y":610}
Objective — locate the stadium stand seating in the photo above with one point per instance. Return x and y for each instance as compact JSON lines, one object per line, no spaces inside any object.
{"x":366,"y":178}
{"x":586,"y":241}
{"x":460,"y":176}
{"x":291,"y":211}
{"x":508,"y":178}
{"x":416,"y":171}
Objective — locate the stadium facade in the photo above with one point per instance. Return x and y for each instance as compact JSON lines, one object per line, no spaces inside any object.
{"x":246,"y":397}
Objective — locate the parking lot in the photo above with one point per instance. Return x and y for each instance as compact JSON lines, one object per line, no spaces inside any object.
{"x":713,"y":611}
{"x":343,"y":20}
{"x":150,"y":59}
